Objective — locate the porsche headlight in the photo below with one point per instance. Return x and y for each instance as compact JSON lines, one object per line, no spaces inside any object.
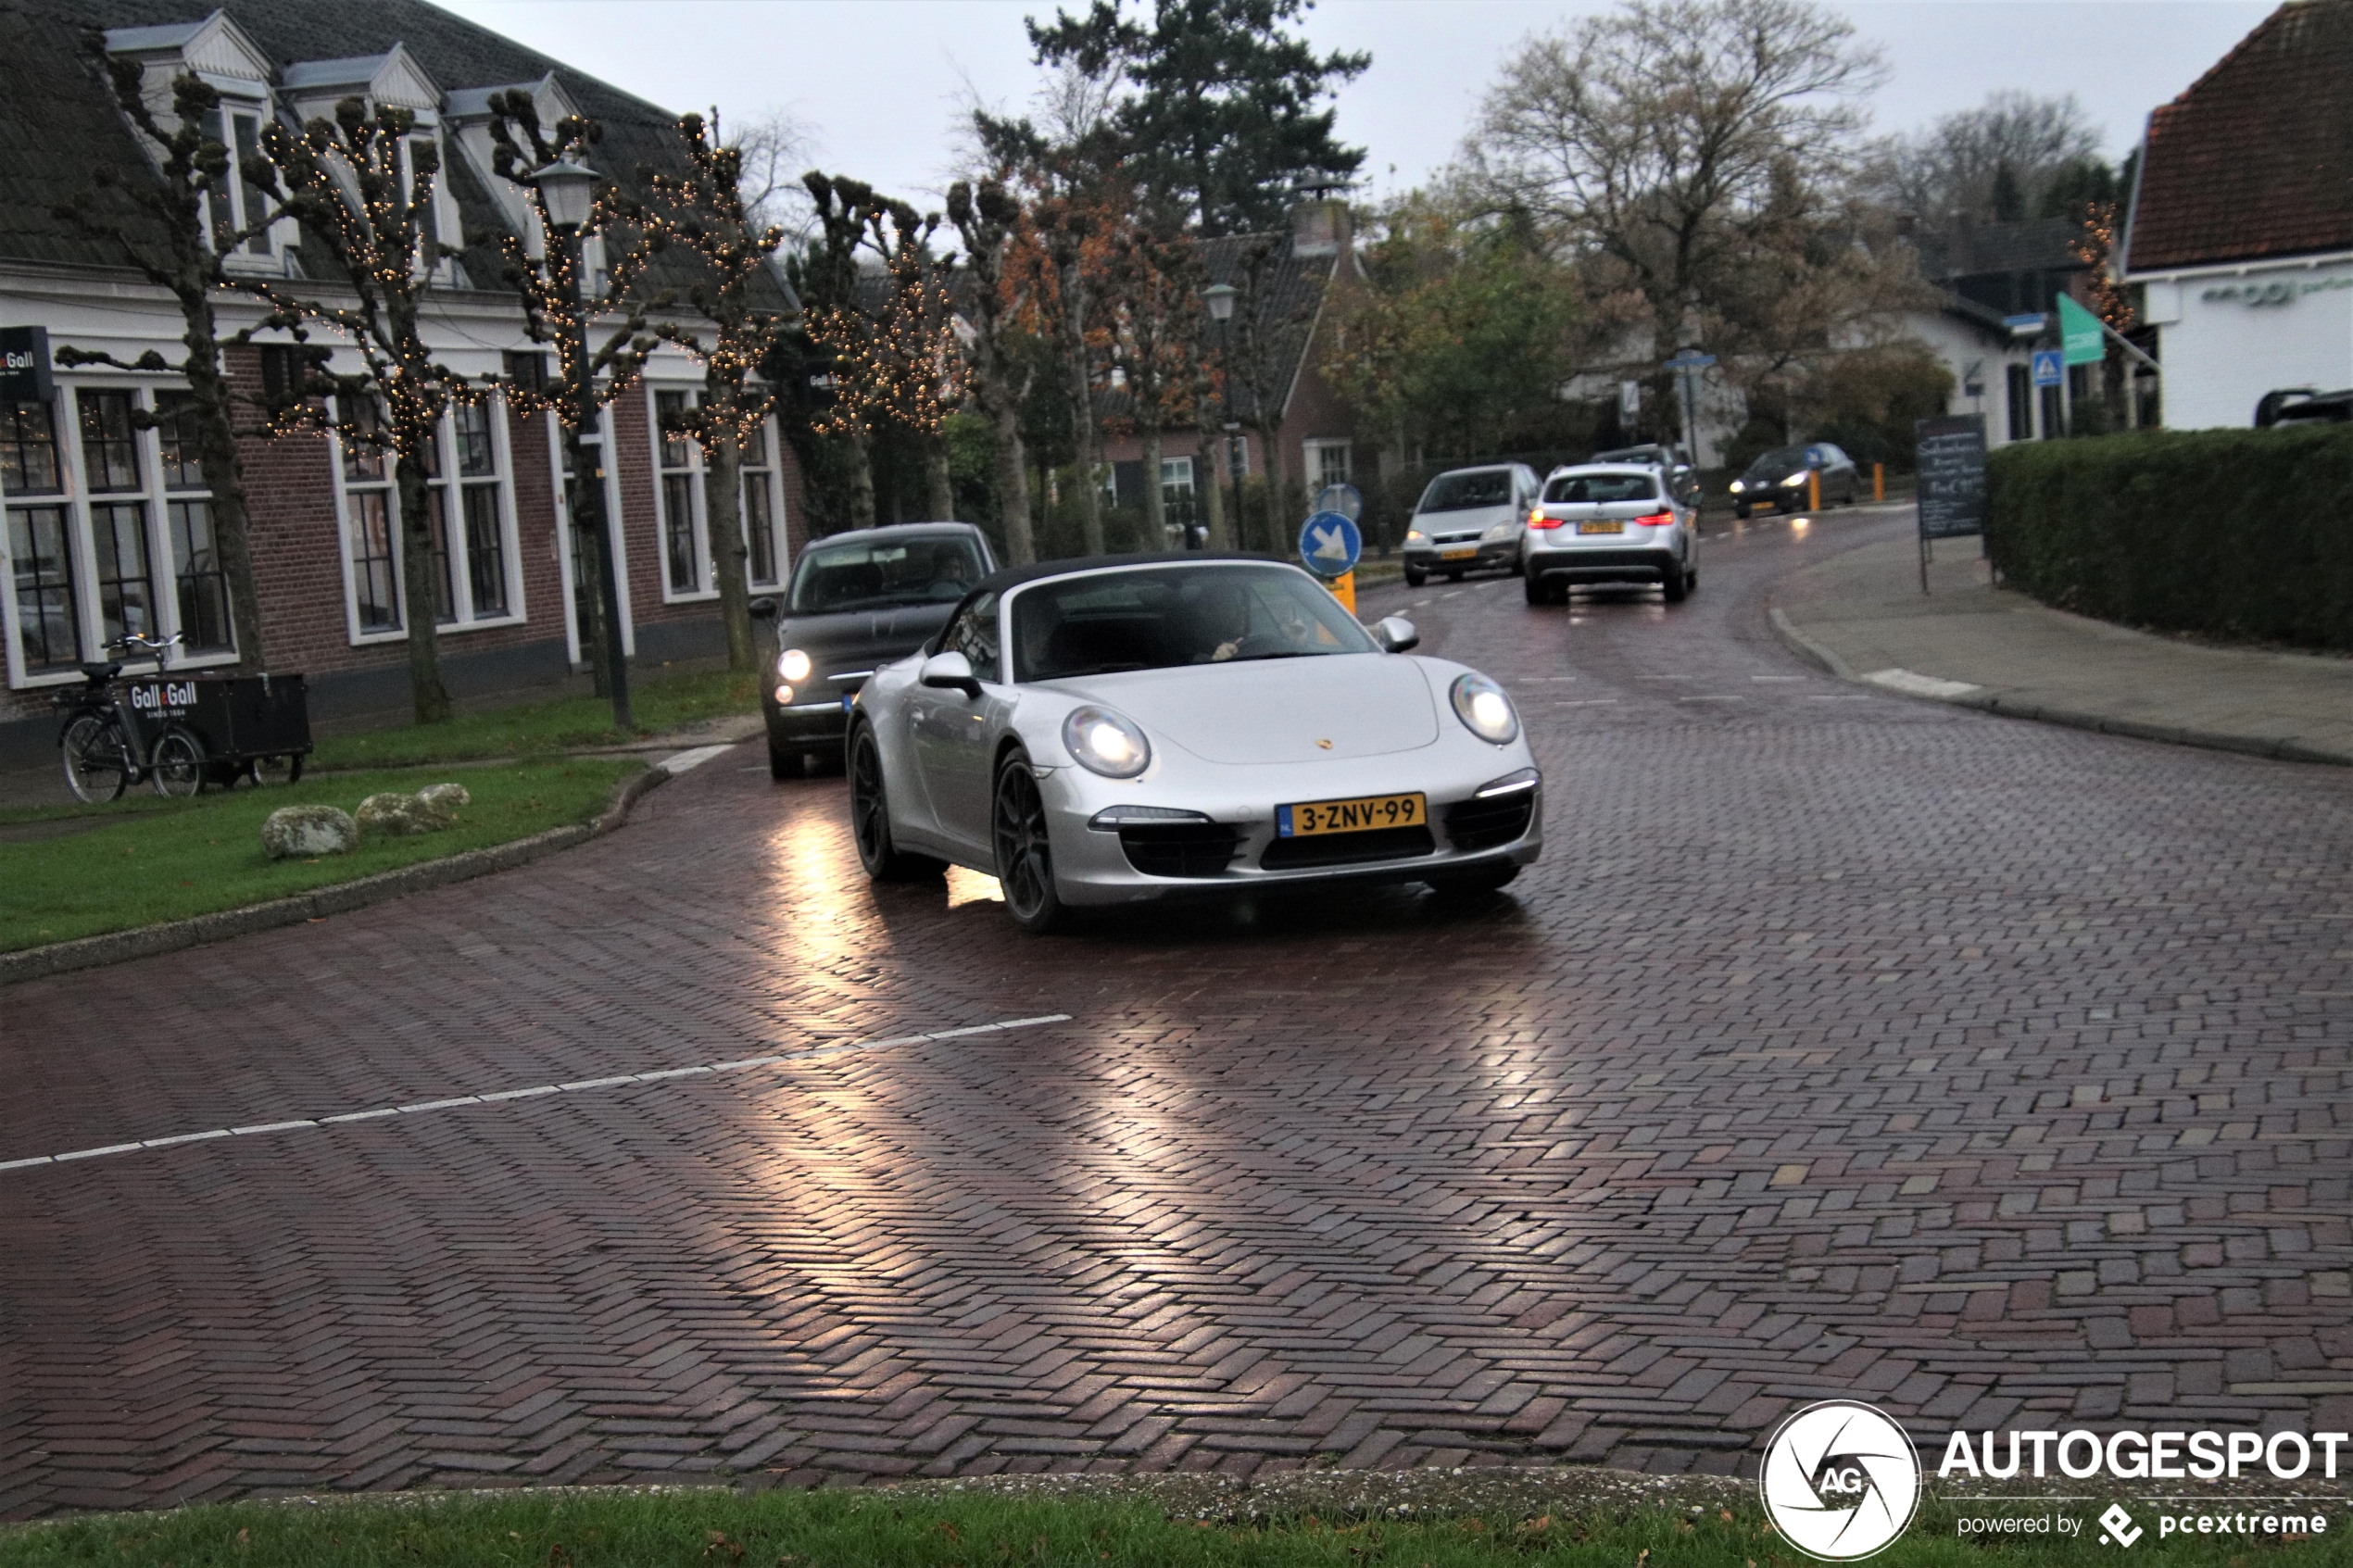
{"x":1480,"y":704}
{"x":1105,"y":742}
{"x":794,"y":666}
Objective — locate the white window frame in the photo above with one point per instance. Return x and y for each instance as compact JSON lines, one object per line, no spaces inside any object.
{"x":1315,"y":452}
{"x":609,"y":439}
{"x":697,"y":502}
{"x":453,"y":527}
{"x":447,"y":228}
{"x":1168,"y":484}
{"x":276,"y":236}
{"x":780,"y":537}
{"x":73,"y":495}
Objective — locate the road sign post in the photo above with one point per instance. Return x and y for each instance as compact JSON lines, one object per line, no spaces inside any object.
{"x":1329,"y":545}
{"x":1687,"y":365}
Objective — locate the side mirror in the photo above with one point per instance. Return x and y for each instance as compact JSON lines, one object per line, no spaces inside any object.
{"x":762,"y":609}
{"x":1396,"y":634}
{"x":951,"y":672}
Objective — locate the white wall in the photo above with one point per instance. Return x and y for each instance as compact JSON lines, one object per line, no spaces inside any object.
{"x":2226,"y":340}
{"x":1958,"y":345}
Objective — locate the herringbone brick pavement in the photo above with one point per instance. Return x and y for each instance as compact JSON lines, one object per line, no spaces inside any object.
{"x":1840,"y":1046}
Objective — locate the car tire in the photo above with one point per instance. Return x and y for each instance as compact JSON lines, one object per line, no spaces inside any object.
{"x":1539,"y":591}
{"x":1023,"y":848}
{"x":1454,"y":577}
{"x":1415,"y":579}
{"x":1740,"y":511}
{"x":784,"y":761}
{"x":870,"y":817}
{"x":1481,"y":883}
{"x":1675,"y":585}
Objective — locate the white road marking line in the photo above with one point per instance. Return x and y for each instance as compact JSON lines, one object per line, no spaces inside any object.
{"x":676,"y":765}
{"x":1734,"y":698}
{"x":578,"y":1087}
{"x":1838,"y":697}
{"x":1781,"y":677}
{"x":1585,"y":702}
{"x":1918,"y":686}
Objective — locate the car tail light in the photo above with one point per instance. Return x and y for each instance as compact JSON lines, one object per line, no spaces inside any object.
{"x":1538,"y":520}
{"x":1657,"y":520}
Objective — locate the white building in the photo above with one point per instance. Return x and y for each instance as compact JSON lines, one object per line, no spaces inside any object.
{"x":2242,"y":227}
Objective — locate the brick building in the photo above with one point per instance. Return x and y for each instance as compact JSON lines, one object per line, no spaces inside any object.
{"x":107,"y":526}
{"x":1314,"y":264}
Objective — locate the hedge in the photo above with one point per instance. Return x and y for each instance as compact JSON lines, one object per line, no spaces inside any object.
{"x":2243,"y":533}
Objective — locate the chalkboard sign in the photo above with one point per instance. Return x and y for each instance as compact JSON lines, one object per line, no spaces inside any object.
{"x":1952,"y":484}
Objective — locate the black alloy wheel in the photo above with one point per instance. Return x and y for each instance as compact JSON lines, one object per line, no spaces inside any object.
{"x":870,"y":817}
{"x":1024,"y":852}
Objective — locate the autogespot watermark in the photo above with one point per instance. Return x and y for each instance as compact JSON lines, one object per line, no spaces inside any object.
{"x":1841,"y":1481}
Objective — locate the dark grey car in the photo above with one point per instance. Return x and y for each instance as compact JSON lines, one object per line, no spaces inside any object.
{"x":856,"y":602}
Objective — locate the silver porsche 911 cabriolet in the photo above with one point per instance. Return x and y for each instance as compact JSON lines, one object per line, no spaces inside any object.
{"x":1119,"y":729}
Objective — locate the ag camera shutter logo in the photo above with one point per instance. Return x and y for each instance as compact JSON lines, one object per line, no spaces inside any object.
{"x":1840,"y":1481}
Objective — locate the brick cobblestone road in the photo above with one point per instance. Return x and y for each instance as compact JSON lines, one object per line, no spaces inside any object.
{"x":1841,"y":1045}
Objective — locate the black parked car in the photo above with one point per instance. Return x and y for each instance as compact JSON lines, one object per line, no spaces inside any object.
{"x":857,"y":602}
{"x":1778,"y":479}
{"x":2301,"y":404}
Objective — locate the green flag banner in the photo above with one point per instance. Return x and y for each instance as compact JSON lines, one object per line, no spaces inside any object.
{"x":2080,"y":334}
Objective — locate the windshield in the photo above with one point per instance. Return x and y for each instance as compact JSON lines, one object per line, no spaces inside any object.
{"x":1153,"y":618}
{"x":1460,"y":491}
{"x":1782,"y":460}
{"x":877,"y":574}
{"x":1575,"y":487}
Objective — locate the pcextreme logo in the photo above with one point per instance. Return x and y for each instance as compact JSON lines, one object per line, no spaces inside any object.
{"x":1841,"y":1480}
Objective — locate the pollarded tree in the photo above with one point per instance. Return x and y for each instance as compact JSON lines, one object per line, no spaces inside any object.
{"x":563,"y":309}
{"x":173,"y":231}
{"x":992,"y":222}
{"x":1154,"y":317}
{"x":705,"y":210}
{"x":363,"y":183}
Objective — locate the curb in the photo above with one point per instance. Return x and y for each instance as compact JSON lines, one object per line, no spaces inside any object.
{"x":147,"y":941}
{"x":1995,"y":703}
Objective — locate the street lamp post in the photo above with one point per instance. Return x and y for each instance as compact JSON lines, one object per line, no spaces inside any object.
{"x":567,"y":192}
{"x":1220,"y":299}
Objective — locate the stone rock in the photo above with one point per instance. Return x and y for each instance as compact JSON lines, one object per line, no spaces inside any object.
{"x":302,"y":832}
{"x":448,"y":797}
{"x":393,"y":815}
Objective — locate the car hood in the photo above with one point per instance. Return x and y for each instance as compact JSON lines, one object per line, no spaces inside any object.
{"x":862,"y":639}
{"x":1464,"y":520}
{"x":1277,"y":710}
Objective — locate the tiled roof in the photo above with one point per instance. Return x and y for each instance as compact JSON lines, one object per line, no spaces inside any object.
{"x":58,"y":124}
{"x":2256,"y":159}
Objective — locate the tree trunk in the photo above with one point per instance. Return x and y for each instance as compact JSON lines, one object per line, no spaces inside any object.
{"x":723,"y":507}
{"x":1212,"y":488}
{"x":1013,"y":487}
{"x":584,"y":458}
{"x":1155,"y":503}
{"x":1082,"y":405}
{"x":939,"y":489}
{"x":430,"y":697}
{"x":862,"y":481}
{"x":216,"y":454}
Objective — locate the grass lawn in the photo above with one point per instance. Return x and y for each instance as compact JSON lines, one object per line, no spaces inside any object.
{"x":843,"y":1529}
{"x":541,"y":727}
{"x":169,"y":859}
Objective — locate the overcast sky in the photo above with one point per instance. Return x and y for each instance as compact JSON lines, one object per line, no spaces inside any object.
{"x":880,"y":83}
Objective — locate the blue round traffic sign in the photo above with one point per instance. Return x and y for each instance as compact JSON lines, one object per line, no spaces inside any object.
{"x":1329,"y":545}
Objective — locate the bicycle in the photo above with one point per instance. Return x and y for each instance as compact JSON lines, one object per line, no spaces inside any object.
{"x":100,"y":739}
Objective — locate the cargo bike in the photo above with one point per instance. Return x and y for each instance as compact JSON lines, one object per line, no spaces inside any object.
{"x":179,"y":733}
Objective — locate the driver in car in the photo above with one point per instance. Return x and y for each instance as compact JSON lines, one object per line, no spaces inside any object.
{"x":950,"y":573}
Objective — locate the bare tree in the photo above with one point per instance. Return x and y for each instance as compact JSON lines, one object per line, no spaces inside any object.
{"x":1652,"y":136}
{"x":705,"y":210}
{"x":1154,"y":317}
{"x":159,"y":229}
{"x":363,"y":184}
{"x":771,"y":149}
{"x":992,"y":222}
{"x":1957,"y":169}
{"x":1269,"y":326}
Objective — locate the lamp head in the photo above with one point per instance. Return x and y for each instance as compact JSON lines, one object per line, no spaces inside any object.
{"x":569,"y":188}
{"x":1220,"y":297}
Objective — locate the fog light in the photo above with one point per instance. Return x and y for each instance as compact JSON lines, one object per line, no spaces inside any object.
{"x":783,"y":696}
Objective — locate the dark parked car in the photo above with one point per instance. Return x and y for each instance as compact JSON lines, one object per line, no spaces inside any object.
{"x":857,"y":602}
{"x":1778,"y":479}
{"x":1683,"y":480}
{"x":2301,"y":404}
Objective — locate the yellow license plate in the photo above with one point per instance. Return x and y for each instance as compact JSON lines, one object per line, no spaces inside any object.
{"x":1601,"y":528}
{"x":1362,"y":814}
{"x":1458,"y":555}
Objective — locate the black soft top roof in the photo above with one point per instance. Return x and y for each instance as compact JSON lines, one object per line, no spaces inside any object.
{"x":1015,"y":576}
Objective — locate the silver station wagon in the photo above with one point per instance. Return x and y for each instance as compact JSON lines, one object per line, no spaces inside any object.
{"x":1610,"y":523}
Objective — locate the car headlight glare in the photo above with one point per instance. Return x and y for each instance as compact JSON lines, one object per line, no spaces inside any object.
{"x":1105,"y":742}
{"x":794,"y":666}
{"x":1738,"y":487}
{"x":1412,"y":535}
{"x":1502,"y":531}
{"x":1480,"y":704}
{"x":1797,"y":478}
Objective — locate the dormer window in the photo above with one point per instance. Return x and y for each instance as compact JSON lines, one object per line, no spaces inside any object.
{"x":238,"y":203}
